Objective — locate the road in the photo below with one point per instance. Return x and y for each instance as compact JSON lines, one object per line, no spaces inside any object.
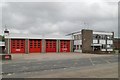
{"x":54,"y":68}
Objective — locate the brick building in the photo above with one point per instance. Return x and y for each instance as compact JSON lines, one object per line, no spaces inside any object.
{"x":89,"y":41}
{"x":27,"y":43}
{"x":85,"y":41}
{"x":117,"y":44}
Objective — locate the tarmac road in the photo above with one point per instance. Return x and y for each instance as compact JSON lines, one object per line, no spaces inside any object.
{"x":26,"y":68}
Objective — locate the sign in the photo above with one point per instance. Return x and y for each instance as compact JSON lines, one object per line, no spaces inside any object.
{"x":7,"y":57}
{"x":17,"y":49}
{"x":64,"y":49}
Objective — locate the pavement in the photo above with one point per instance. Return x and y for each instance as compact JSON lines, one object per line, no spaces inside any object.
{"x":53,"y":56}
{"x":59,"y":65}
{"x":97,"y":71}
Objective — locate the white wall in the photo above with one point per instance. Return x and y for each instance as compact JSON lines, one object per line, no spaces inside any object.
{"x":2,"y":43}
{"x":77,"y":42}
{"x":103,"y":33}
{"x":103,"y":49}
{"x":78,"y":51}
{"x":95,"y":41}
{"x":102,"y":42}
{"x":109,"y":49}
{"x":109,"y":41}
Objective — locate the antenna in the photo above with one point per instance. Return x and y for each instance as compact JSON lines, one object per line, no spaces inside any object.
{"x":5,"y":28}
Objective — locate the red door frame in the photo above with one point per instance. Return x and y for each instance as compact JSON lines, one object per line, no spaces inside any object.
{"x":51,"y":45}
{"x":17,"y":45}
{"x":64,"y":45}
{"x":35,"y":45}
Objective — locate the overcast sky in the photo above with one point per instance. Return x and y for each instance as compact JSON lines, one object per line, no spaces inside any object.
{"x":59,"y":18}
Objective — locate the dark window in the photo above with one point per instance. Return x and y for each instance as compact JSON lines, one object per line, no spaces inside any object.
{"x":103,"y":46}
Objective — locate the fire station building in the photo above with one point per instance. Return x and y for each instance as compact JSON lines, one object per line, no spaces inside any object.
{"x":89,"y":41}
{"x":85,"y":41}
{"x":24,"y":43}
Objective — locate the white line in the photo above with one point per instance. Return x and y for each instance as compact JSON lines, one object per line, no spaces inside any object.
{"x":106,"y":61}
{"x":91,"y":61}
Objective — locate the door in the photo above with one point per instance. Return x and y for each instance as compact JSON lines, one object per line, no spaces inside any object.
{"x":35,"y":45}
{"x":50,"y":45}
{"x":17,"y":46}
{"x":64,"y":46}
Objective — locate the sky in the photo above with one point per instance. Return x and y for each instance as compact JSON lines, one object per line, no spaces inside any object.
{"x":59,"y":18}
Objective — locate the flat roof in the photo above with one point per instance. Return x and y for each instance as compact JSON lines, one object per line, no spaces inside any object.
{"x":94,"y":32}
{"x":31,"y":36}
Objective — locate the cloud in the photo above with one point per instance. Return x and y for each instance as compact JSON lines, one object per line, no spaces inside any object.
{"x":60,"y":17}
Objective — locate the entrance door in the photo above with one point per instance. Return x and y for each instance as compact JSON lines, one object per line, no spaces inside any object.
{"x":64,"y":46}
{"x":50,"y":45}
{"x":17,"y":46}
{"x":35,"y":45}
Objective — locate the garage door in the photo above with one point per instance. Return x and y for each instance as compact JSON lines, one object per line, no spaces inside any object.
{"x":35,"y":45}
{"x":17,"y":46}
{"x":50,"y":45}
{"x":64,"y":46}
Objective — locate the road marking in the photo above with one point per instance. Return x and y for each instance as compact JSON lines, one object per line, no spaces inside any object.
{"x":91,"y":61}
{"x":106,"y":61}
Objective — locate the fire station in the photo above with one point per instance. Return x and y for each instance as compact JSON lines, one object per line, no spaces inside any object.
{"x":85,"y":41}
{"x":24,"y":43}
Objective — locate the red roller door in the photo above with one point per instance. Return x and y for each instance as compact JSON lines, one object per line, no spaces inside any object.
{"x":50,"y":45}
{"x":17,"y":46}
{"x":64,"y":46}
{"x":35,"y":46}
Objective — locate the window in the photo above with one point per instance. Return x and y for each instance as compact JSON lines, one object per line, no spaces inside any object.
{"x":50,"y":46}
{"x":103,"y":46}
{"x":94,"y":36}
{"x":109,"y":46}
{"x":79,"y":36}
{"x":75,"y":37}
{"x":97,"y":36}
{"x":103,"y":37}
{"x":109,"y":37}
{"x":74,"y":47}
{"x":38,"y":41}
{"x":77,"y":47}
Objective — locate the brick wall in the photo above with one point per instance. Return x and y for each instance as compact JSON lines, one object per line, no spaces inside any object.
{"x":117,"y":43}
{"x":87,"y":41}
